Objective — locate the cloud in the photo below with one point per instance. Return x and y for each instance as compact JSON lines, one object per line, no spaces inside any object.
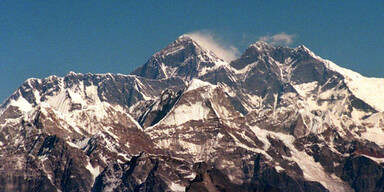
{"x":278,"y":39}
{"x":211,"y":42}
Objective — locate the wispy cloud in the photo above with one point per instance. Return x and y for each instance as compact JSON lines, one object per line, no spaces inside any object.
{"x":278,"y":39}
{"x":209,"y":41}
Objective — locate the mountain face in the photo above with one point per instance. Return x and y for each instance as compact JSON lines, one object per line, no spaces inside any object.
{"x":275,"y":119}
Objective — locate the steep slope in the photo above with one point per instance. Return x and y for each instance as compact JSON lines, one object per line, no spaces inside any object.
{"x":183,"y":58}
{"x":84,"y":117}
{"x":275,"y":119}
{"x":360,"y":86}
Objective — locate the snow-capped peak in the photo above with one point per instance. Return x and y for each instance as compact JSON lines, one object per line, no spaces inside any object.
{"x":187,"y":57}
{"x":261,"y":45}
{"x":305,"y":49}
{"x":184,"y":37}
{"x":73,"y":73}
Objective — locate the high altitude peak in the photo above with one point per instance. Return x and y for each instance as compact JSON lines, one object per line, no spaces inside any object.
{"x":261,"y":44}
{"x":184,"y":57}
{"x":183,"y":45}
{"x":257,"y":48}
{"x":304,"y":49}
{"x":72,"y":73}
{"x":190,"y":40}
{"x":276,"y":115}
{"x":188,"y":45}
{"x":185,"y":38}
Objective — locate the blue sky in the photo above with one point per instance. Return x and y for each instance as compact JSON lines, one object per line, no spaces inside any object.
{"x":42,"y":38}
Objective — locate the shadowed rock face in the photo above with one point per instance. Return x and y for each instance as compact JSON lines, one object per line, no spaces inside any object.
{"x":23,"y":170}
{"x":158,"y":110}
{"x":264,"y":178}
{"x":363,"y":174}
{"x":139,"y":174}
{"x":275,"y":119}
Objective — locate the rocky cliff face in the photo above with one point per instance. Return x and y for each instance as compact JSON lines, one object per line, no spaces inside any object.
{"x":275,"y":119}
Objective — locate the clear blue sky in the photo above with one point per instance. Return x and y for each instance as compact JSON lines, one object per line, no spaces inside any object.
{"x":42,"y":38}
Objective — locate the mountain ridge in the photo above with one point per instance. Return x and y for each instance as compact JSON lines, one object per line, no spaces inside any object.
{"x":276,"y":118}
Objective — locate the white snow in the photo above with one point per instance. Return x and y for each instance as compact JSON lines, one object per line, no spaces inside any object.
{"x":22,"y":104}
{"x":262,"y":135}
{"x":222,"y":112}
{"x":174,"y":50}
{"x":312,"y":170}
{"x":176,"y":187}
{"x":72,"y":145}
{"x":191,"y":176}
{"x":107,"y":130}
{"x":59,"y":102}
{"x":279,"y":169}
{"x":134,"y":121}
{"x":187,"y":112}
{"x":37,"y":96}
{"x":375,"y":134}
{"x":197,"y":83}
{"x":95,"y":171}
{"x":305,"y":88}
{"x":162,"y":66}
{"x":246,"y":69}
{"x":92,"y":93}
{"x":368,"y":89}
{"x":377,"y":160}
{"x":140,"y":85}
{"x":218,"y":64}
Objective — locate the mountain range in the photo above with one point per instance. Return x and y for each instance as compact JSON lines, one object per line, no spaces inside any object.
{"x":275,"y":119}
